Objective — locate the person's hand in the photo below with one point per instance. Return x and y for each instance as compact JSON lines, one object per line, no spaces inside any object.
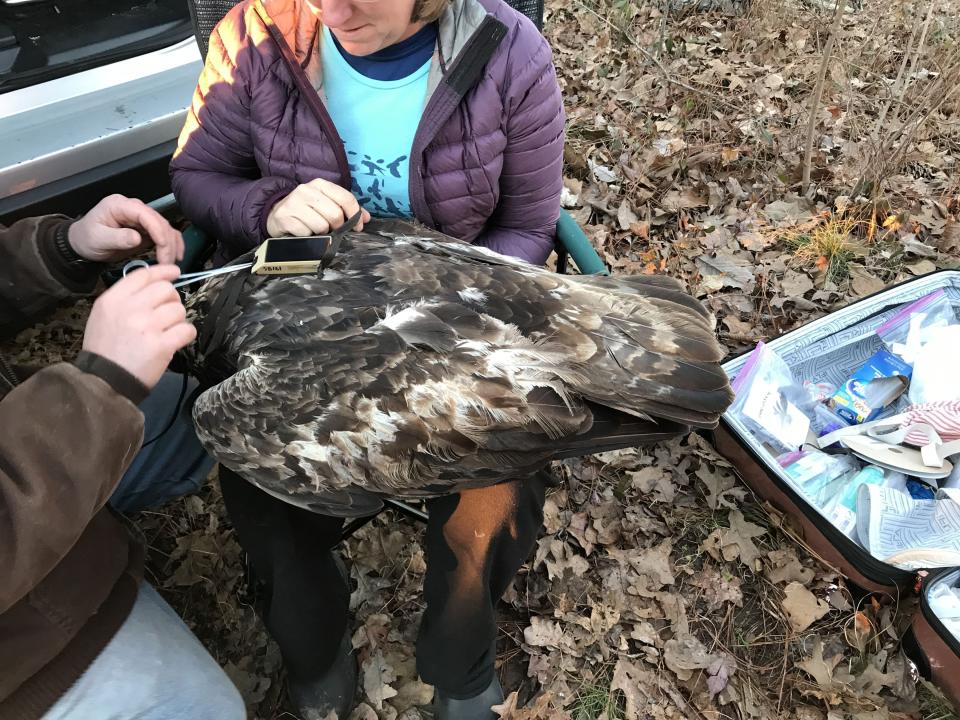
{"x":139,"y":323}
{"x":118,"y":227}
{"x":314,"y":208}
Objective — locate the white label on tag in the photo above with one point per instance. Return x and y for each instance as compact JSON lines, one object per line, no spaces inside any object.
{"x":779,"y":417}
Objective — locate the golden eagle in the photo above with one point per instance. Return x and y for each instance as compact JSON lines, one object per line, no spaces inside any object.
{"x":415,"y":365}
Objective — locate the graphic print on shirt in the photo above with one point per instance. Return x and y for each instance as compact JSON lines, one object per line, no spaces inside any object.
{"x":376,"y":121}
{"x":369,"y":184}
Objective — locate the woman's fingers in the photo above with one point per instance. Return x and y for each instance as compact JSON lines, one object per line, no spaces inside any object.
{"x":341,"y":196}
{"x":312,"y":219}
{"x":293,"y":225}
{"x":327,"y":207}
{"x":343,"y":199}
{"x":315,"y":208}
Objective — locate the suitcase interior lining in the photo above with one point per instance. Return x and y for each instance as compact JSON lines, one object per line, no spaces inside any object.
{"x":829,"y":350}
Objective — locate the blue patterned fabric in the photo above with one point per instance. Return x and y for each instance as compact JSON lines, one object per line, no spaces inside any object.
{"x":377,"y":120}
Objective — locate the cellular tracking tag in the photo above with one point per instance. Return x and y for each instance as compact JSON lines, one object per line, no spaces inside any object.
{"x":291,"y":255}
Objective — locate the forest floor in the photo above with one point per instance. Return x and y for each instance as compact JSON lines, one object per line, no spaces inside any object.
{"x":661,"y":587}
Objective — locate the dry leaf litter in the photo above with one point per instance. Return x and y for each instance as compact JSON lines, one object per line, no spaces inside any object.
{"x":661,"y":589}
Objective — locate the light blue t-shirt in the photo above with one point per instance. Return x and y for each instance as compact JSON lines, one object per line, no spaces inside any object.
{"x":377,"y":120}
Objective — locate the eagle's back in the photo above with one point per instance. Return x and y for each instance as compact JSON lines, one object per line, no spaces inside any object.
{"x":414,"y":365}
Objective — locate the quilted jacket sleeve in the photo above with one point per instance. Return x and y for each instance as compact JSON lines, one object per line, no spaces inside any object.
{"x":33,"y":276}
{"x":214,"y":174}
{"x":524,"y":224}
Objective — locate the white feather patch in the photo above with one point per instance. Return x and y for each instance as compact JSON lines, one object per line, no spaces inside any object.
{"x":472,"y":294}
{"x":405,"y":316}
{"x":309,"y":450}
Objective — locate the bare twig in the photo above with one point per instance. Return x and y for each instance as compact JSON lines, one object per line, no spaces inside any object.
{"x":818,"y":93}
{"x":664,"y":71}
{"x":891,"y":151}
{"x":900,"y":84}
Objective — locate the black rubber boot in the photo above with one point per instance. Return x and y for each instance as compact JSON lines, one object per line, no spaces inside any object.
{"x":335,"y":690}
{"x":475,"y":708}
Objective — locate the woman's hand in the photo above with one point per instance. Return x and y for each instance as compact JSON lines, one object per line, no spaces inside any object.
{"x":314,"y":208}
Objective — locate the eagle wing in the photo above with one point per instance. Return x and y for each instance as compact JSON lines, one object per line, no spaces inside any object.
{"x":415,"y":367}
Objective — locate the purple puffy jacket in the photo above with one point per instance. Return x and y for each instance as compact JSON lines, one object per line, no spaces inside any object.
{"x":486,"y":163}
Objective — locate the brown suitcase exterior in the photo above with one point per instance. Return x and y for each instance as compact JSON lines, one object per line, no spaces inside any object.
{"x":928,"y":642}
{"x":931,"y":645}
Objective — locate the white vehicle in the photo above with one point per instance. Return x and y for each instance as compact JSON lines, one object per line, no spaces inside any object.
{"x":93,"y":95}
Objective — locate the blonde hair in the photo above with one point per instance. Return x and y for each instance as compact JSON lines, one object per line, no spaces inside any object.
{"x":428,"y":10}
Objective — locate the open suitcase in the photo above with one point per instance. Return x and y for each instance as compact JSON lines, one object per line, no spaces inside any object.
{"x":829,"y":350}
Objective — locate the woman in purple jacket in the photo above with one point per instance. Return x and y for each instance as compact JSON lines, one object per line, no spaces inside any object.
{"x":445,"y":111}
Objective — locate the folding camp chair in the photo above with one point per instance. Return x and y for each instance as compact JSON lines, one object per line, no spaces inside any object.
{"x":571,"y":241}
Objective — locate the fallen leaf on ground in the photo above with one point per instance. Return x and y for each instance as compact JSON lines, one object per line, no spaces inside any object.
{"x":542,"y":709}
{"x":543,"y":633}
{"x":864,"y":283}
{"x":726,"y":271}
{"x":683,"y":199}
{"x":795,"y":284}
{"x":685,"y":654}
{"x":791,"y":211}
{"x":859,"y":631}
{"x":802,"y":607}
{"x":922,"y":267}
{"x":719,"y":673}
{"x":412,"y":693}
{"x":786,"y":567}
{"x":718,"y":588}
{"x":626,"y":216}
{"x":635,"y":683}
{"x":377,"y":676}
{"x":819,"y":668}
{"x":735,"y":541}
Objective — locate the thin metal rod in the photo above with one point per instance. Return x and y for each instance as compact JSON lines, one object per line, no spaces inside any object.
{"x":397,"y":505}
{"x":407,"y":509}
{"x":355,"y":525}
{"x":190,"y":278}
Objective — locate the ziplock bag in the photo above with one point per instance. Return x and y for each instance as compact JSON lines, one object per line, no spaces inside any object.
{"x":768,"y":401}
{"x":907,"y":331}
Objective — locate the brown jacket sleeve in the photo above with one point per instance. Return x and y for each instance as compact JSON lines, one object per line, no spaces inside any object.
{"x":66,"y":438}
{"x":33,"y":276}
{"x":67,"y":433}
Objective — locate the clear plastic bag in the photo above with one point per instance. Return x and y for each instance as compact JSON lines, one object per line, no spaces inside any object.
{"x":935,"y":378}
{"x":820,"y":477}
{"x":910,"y":328}
{"x":768,"y":401}
{"x":842,"y":509}
{"x":944,"y":602}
